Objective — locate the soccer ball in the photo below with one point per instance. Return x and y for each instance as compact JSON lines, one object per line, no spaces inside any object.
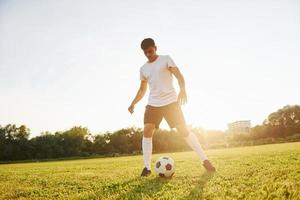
{"x":165,"y":166}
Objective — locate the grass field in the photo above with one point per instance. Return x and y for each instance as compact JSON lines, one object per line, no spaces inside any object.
{"x":257,"y":172}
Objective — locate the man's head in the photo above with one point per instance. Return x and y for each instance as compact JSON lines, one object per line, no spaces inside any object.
{"x":149,"y":48}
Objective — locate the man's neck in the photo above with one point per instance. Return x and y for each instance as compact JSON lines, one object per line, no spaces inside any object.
{"x":150,"y":61}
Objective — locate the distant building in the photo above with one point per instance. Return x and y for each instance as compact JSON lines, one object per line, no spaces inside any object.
{"x":243,"y":126}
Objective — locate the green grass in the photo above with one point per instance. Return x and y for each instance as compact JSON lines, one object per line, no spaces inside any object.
{"x":256,"y":172}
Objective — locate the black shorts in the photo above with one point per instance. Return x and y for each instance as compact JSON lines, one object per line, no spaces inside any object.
{"x":171,"y":112}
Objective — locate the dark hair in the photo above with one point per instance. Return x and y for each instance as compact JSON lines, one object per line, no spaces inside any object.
{"x":147,"y":42}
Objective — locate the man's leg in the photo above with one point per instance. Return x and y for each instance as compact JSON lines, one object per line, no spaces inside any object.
{"x":175,"y":118}
{"x":152,"y":119}
{"x":194,"y":143}
{"x":147,"y":144}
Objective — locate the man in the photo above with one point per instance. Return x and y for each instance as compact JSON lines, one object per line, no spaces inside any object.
{"x":163,"y":102}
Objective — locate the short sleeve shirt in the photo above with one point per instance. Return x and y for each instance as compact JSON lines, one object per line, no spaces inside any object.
{"x":160,"y":80}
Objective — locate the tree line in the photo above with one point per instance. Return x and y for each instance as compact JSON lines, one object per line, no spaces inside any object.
{"x":15,"y":143}
{"x":284,"y":123}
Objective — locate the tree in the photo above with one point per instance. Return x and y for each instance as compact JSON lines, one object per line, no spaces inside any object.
{"x":73,"y":140}
{"x":14,"y":142}
{"x":284,"y":122}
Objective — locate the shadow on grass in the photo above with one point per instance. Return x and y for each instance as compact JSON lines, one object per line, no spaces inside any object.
{"x":144,"y":187}
{"x":197,"y":191}
{"x":148,"y":187}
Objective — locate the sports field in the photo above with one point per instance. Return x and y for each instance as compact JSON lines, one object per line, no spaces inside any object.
{"x":257,"y":172}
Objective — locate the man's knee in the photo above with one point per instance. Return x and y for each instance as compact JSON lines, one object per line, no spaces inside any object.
{"x":148,"y":130}
{"x":183,"y":130}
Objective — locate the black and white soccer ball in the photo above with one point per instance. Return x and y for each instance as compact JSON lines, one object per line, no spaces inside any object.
{"x":165,"y":166}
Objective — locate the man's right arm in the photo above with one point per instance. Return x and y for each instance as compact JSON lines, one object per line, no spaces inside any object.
{"x":140,"y":94}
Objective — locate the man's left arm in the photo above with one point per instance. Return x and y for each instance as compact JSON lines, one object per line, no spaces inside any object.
{"x":182,"y":96}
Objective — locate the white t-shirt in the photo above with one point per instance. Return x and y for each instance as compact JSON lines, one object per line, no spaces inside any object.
{"x":160,"y":80}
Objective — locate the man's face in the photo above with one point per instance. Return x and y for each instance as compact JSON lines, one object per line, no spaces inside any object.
{"x":150,"y":52}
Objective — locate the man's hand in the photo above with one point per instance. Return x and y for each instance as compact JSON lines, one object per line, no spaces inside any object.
{"x":131,"y":108}
{"x":141,"y":92}
{"x":182,"y":97}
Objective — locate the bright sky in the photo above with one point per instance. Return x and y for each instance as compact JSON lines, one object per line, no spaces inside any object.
{"x":66,"y":63}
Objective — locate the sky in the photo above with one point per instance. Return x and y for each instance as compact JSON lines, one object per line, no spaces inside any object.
{"x":67,"y":63}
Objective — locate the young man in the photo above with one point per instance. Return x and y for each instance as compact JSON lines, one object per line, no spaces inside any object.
{"x":163,"y":102}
